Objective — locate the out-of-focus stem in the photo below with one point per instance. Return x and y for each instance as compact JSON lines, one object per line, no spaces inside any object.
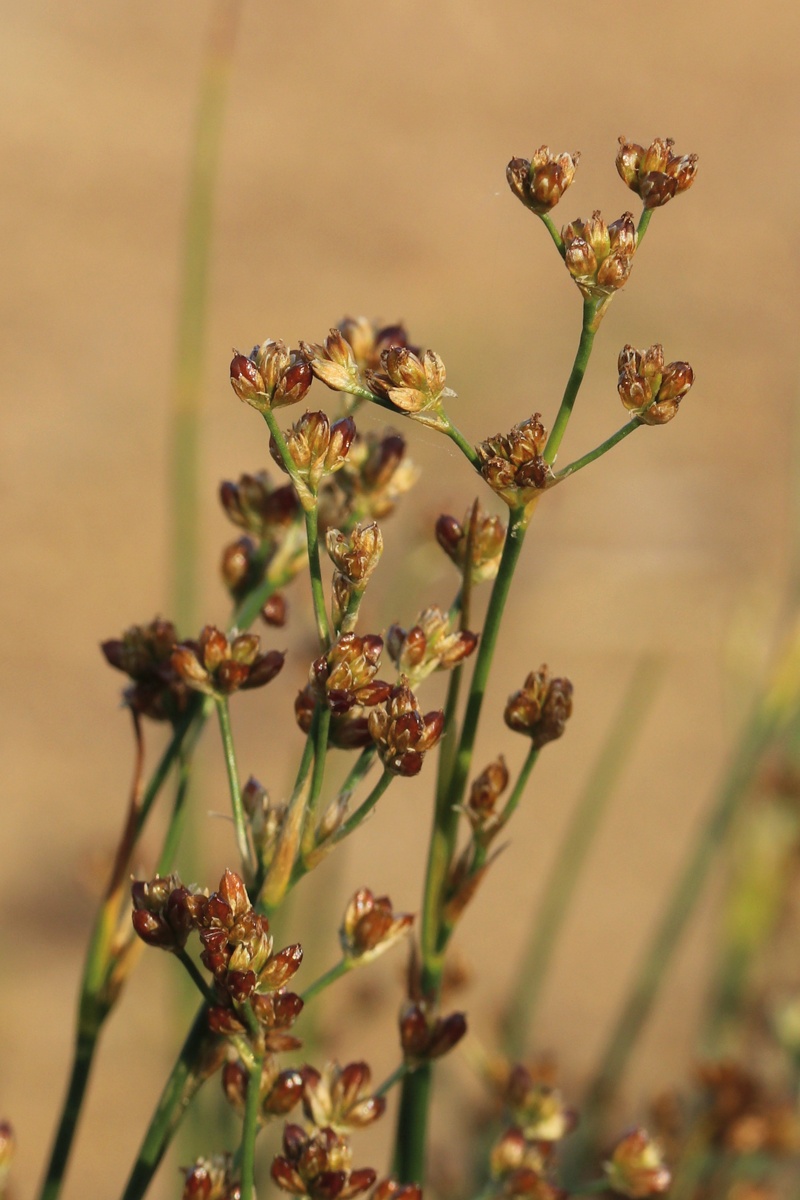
{"x":778,"y":704}
{"x":239,"y":819}
{"x":193,"y":309}
{"x":330,"y":976}
{"x":581,"y":832}
{"x":184,"y":1081}
{"x":247,"y":1151}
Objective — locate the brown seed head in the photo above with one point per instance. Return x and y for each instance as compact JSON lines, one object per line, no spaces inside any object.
{"x":270,"y":376}
{"x":415,"y":384}
{"x":479,"y":536}
{"x":316,"y":448}
{"x":165,"y":912}
{"x":318,"y":1165}
{"x":350,"y":352}
{"x":210,"y":1179}
{"x":403,"y":736}
{"x":258,"y":507}
{"x":541,"y":183}
{"x":345,"y":676}
{"x":216,"y":666}
{"x":370,"y":926}
{"x":649,"y":388}
{"x":541,"y":708}
{"x":431,"y":644}
{"x":144,"y":653}
{"x":356,"y":555}
{"x":599,"y":257}
{"x":512,"y":463}
{"x":424,"y":1036}
{"x":655,"y":174}
{"x":340,"y":1097}
{"x":636,"y":1167}
{"x":390,"y":1189}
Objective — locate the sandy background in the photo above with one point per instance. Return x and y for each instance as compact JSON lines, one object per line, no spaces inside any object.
{"x":363,"y":171}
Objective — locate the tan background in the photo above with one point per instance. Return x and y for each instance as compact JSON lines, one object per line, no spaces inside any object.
{"x":363,"y":171}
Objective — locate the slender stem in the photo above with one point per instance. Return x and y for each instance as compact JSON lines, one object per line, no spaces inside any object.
{"x":457,"y":437}
{"x":169,"y":850}
{"x":193,"y":308}
{"x":547,"y":221}
{"x":575,"y":380}
{"x":239,"y":819}
{"x":600,"y":450}
{"x":322,"y":726}
{"x":330,"y":976}
{"x":521,"y":784}
{"x":85,"y":1047}
{"x":778,"y":704}
{"x":445,"y":822}
{"x":247,"y":1149}
{"x":397,"y":1074}
{"x":566,"y":871}
{"x":183,"y":1083}
{"x":412,"y":1126}
{"x":317,"y":590}
{"x":355,"y":819}
{"x":358,"y":770}
{"x":195,"y":976}
{"x":644,"y":221}
{"x":254,"y":601}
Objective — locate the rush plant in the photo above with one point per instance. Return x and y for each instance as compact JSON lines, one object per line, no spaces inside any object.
{"x":314,"y":521}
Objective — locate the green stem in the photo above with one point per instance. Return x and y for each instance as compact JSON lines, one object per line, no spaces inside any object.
{"x":184,"y":1081}
{"x":522,"y":782}
{"x":777,"y":704}
{"x":568,"y":866}
{"x":330,"y":976}
{"x":191,"y":723}
{"x":322,"y":726}
{"x":85,"y":1046}
{"x":644,"y":221}
{"x":412,"y":1126}
{"x":547,"y":221}
{"x":588,"y":331}
{"x":446,"y":816}
{"x":193,"y":309}
{"x":457,"y":437}
{"x":247,"y":1149}
{"x":315,"y":570}
{"x":239,"y":819}
{"x":397,"y":1074}
{"x":355,"y":819}
{"x":600,"y":450}
{"x":195,"y":976}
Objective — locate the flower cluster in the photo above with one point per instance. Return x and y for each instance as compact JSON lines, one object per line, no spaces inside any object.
{"x":541,"y":707}
{"x":401,"y":733}
{"x":319,"y":1165}
{"x":370,"y":926}
{"x":144,"y":653}
{"x":655,"y":174}
{"x":216,"y":666}
{"x":541,"y":183}
{"x":649,"y":388}
{"x":477,"y":540}
{"x":431,"y":644}
{"x":376,"y":474}
{"x":599,"y":257}
{"x":316,"y":448}
{"x":270,"y":376}
{"x":513,"y":464}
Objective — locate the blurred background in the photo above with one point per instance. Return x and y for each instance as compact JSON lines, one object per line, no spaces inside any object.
{"x":363,"y":171}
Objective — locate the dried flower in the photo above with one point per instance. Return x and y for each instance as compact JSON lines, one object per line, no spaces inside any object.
{"x":318,"y":1165}
{"x":349,"y":730}
{"x":340,"y":1097}
{"x":541,"y":183}
{"x":279,"y":1090}
{"x":514,"y":1150}
{"x":345,"y":676}
{"x":431,"y":644}
{"x":211,"y":1179}
{"x":370,"y":926}
{"x":270,"y":376}
{"x":424,"y":1036}
{"x":217,"y":667}
{"x":541,"y":708}
{"x":636,"y":1167}
{"x":413,"y":383}
{"x":316,"y":448}
{"x":484,"y":793}
{"x":655,"y":174}
{"x":144,"y":653}
{"x":403,"y":736}
{"x":479,"y":535}
{"x":599,"y":257}
{"x":350,"y":352}
{"x":512,"y":463}
{"x":257,"y":507}
{"x":648,"y":388}
{"x":376,"y":474}
{"x":538,"y":1107}
{"x":165,"y":912}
